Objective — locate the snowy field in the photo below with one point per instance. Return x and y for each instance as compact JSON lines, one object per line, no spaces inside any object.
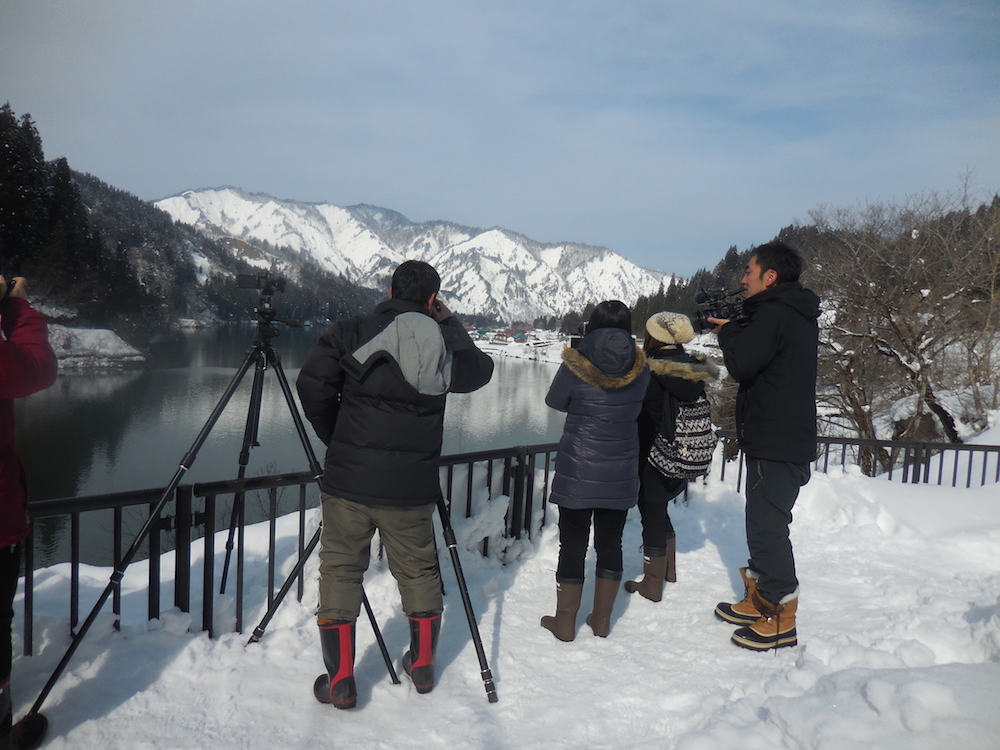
{"x":899,"y":633}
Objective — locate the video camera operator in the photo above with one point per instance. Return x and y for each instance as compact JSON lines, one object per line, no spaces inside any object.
{"x":27,"y":365}
{"x":773,"y":358}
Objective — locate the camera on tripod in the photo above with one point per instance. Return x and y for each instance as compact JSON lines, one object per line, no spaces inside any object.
{"x":718,"y":305}
{"x":267,"y":282}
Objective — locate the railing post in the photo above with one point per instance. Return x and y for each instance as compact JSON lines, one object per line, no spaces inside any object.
{"x":153,"y":608}
{"x":116,"y":597}
{"x":272,"y":541}
{"x":517,"y":497}
{"x":208,"y":574}
{"x":300,"y":587}
{"x":74,"y":574}
{"x":182,"y":552}
{"x":529,"y":492}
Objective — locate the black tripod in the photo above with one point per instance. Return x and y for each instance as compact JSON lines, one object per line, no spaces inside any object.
{"x":260,"y":356}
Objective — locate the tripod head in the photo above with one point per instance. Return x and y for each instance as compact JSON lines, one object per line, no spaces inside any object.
{"x":268,"y":284}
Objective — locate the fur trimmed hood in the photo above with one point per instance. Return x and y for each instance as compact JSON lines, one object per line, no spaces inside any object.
{"x":702,"y":370}
{"x":588,"y":372}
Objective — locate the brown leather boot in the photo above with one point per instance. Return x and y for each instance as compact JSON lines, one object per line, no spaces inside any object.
{"x":744,"y":612}
{"x":563,"y":624}
{"x":654,"y":572}
{"x":776,"y":626}
{"x":605,"y":592}
{"x":671,"y":574}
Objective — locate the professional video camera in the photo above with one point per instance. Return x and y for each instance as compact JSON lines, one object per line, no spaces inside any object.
{"x":718,"y":305}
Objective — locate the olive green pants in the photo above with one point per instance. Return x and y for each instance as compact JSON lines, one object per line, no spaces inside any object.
{"x":407,"y":534}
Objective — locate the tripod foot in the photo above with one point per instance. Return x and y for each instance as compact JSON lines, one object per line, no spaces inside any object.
{"x":29,"y":732}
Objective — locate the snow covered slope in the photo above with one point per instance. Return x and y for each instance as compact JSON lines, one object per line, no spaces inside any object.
{"x":486,"y":272}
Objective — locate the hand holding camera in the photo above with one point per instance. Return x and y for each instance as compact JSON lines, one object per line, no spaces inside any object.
{"x":13,"y":290}
{"x":439,"y":310}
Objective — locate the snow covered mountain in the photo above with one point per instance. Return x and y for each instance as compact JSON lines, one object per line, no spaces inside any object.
{"x":493,"y":272}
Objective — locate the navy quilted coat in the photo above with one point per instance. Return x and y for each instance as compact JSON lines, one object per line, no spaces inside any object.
{"x":600,"y":386}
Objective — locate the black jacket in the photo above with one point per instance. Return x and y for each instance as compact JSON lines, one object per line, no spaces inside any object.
{"x":773,"y":358}
{"x":374,"y":389}
{"x":600,"y":387}
{"x":678,"y":373}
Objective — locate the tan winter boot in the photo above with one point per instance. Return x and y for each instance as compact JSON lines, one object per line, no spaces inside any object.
{"x":563,"y":624}
{"x":605,"y":592}
{"x":654,"y":572}
{"x":776,"y":626}
{"x":744,"y":612}
{"x":671,"y":574}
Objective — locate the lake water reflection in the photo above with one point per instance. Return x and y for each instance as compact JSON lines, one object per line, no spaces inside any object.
{"x":95,"y":433}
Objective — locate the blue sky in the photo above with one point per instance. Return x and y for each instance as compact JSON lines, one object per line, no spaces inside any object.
{"x":667,"y":131}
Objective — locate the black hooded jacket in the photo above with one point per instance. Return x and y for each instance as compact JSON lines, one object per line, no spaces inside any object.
{"x":773,"y":358}
{"x":374,"y":389}
{"x":600,"y":386}
{"x":674,"y":371}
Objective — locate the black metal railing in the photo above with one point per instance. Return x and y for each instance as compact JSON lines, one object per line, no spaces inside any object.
{"x":522,"y":474}
{"x":469,"y":481}
{"x":951,"y":464}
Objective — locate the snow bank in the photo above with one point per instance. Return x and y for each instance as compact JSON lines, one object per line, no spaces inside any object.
{"x":78,"y":348}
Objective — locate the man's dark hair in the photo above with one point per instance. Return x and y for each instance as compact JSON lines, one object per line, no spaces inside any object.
{"x":610,"y":314}
{"x":415,"y":281}
{"x":780,"y":258}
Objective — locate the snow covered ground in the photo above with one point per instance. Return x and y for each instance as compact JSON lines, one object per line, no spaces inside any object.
{"x":899,"y":632}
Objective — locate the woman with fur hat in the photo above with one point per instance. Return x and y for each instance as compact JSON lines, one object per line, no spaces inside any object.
{"x":600,"y":386}
{"x":675,"y":375}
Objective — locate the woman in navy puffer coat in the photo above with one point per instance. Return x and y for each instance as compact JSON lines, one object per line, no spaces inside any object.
{"x":600,"y":386}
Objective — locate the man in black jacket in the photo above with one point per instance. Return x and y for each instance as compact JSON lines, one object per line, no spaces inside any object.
{"x":773,"y":358}
{"x":374,"y":389}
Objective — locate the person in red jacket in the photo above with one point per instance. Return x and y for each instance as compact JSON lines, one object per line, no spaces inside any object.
{"x":27,"y":365}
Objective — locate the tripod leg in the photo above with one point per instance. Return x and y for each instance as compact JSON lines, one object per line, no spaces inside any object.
{"x":452,"y":544}
{"x":300,"y":427}
{"x":249,"y":441}
{"x":317,"y":470}
{"x":119,"y":573}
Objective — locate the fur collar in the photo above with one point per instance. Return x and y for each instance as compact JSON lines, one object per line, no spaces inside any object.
{"x":704,"y":369}
{"x":584,"y":369}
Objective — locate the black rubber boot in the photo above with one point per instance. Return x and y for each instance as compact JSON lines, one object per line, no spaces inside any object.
{"x":337,"y":686}
{"x":418,"y":662}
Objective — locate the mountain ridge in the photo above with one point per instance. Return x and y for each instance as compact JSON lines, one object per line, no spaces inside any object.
{"x":492,"y":272}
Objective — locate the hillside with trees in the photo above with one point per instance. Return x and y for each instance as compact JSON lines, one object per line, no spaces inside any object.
{"x":911,"y":300}
{"x":107,"y":259}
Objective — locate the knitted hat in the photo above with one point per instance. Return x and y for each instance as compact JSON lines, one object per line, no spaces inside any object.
{"x":670,"y":328}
